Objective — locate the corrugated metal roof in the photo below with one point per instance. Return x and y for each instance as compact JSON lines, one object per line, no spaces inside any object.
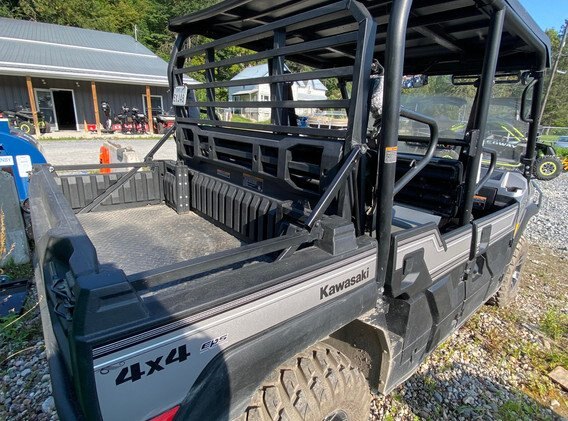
{"x":46,"y":50}
{"x":261,"y":70}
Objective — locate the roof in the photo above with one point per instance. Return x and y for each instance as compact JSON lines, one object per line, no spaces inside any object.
{"x":245,"y":92}
{"x":45,"y":50}
{"x":261,"y":70}
{"x":443,"y":36}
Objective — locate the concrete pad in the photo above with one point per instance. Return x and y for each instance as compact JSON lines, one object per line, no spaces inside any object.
{"x":560,"y":376}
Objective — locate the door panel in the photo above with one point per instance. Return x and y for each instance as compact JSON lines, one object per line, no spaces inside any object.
{"x":45,"y":104}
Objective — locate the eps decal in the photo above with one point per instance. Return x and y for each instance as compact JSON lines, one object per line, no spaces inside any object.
{"x":206,"y":346}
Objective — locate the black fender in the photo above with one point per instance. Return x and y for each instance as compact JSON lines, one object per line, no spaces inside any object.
{"x":226,"y":385}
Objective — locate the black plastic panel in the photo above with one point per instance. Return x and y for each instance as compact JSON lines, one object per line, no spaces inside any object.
{"x":80,"y":190}
{"x":176,"y":187}
{"x":241,"y":211}
{"x":437,"y":188}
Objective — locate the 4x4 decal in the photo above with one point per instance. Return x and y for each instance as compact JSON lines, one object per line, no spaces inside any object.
{"x":135,"y":372}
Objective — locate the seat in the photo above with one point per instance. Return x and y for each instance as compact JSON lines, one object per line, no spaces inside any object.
{"x":437,"y":189}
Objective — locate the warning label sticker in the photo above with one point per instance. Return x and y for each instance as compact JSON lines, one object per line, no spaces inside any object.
{"x":390,"y":154}
{"x":24,"y":164}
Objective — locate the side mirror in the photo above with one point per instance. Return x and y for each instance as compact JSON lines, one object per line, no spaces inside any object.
{"x":526,"y":101}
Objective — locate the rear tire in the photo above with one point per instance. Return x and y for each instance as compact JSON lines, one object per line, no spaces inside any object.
{"x":318,"y":384}
{"x":510,"y":285}
{"x":46,"y":128}
{"x":547,"y":167}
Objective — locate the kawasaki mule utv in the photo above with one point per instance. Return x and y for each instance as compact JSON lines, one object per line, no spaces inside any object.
{"x":274,"y":271}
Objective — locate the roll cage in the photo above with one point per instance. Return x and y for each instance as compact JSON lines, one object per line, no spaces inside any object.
{"x":338,"y":40}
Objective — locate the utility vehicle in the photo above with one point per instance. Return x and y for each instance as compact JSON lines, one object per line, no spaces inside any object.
{"x":281,"y":272}
{"x":22,"y":118}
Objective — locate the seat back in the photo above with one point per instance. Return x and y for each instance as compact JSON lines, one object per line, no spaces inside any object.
{"x":438,"y":188}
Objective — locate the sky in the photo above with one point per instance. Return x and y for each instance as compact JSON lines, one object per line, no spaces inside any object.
{"x":547,"y":13}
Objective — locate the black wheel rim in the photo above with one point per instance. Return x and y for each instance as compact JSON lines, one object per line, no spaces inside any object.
{"x":548,"y":168}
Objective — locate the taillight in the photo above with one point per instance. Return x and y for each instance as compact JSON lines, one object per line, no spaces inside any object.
{"x":166,"y":416}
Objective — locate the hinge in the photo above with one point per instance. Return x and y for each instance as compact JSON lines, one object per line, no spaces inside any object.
{"x":472,"y":137}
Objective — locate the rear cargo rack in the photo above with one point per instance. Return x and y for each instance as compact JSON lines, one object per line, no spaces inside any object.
{"x":285,"y":42}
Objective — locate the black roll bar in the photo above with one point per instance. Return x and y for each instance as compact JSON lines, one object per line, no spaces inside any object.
{"x":481,"y":112}
{"x":421,"y":118}
{"x":337,"y":183}
{"x":394,"y":64}
{"x":492,"y":164}
{"x":530,"y":155}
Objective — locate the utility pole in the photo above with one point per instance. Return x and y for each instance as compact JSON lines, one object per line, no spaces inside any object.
{"x":554,"y":68}
{"x":136,"y":32}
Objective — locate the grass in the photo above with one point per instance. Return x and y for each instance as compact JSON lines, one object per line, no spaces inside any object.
{"x":518,"y":409}
{"x":240,"y":119}
{"x":14,"y":271}
{"x":19,"y":332}
{"x":563,"y":152}
{"x":555,"y":324}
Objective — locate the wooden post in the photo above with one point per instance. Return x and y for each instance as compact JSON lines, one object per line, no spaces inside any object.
{"x":149,"y":110}
{"x":96,"y":106}
{"x":33,"y":104}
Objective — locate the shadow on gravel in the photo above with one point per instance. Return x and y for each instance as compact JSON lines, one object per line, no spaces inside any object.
{"x":455,"y":391}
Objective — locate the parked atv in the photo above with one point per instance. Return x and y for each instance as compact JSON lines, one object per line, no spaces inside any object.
{"x":22,"y":118}
{"x":162,"y":121}
{"x":548,"y":164}
{"x":131,"y":121}
{"x":511,"y":147}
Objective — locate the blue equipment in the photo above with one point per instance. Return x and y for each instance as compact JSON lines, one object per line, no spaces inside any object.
{"x":18,"y":153}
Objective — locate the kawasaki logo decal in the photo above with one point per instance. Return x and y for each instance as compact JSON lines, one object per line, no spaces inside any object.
{"x":332,"y":289}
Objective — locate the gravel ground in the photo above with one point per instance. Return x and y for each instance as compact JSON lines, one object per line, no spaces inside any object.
{"x":492,"y":368}
{"x":550,"y":226}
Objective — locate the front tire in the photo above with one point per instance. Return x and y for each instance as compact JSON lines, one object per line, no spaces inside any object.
{"x":319,"y":384}
{"x":27,"y":128}
{"x":547,"y":167}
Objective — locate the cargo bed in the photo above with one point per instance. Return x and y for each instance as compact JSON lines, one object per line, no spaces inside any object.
{"x":148,"y":237}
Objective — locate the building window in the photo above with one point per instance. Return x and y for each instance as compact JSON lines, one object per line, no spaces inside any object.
{"x":157,"y":104}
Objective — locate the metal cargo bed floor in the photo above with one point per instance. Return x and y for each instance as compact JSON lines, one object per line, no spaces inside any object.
{"x":144,"y":238}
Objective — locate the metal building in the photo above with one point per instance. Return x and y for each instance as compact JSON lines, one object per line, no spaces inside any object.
{"x":65,"y":72}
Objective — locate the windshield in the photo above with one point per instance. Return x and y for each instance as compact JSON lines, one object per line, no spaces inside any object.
{"x":450,"y":105}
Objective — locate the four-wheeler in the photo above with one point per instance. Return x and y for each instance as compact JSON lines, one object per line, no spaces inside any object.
{"x":505,"y":133}
{"x":22,"y":118}
{"x":131,"y":120}
{"x":162,"y":120}
{"x":274,"y":271}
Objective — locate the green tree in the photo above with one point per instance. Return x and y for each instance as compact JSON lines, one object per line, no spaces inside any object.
{"x":556,"y":110}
